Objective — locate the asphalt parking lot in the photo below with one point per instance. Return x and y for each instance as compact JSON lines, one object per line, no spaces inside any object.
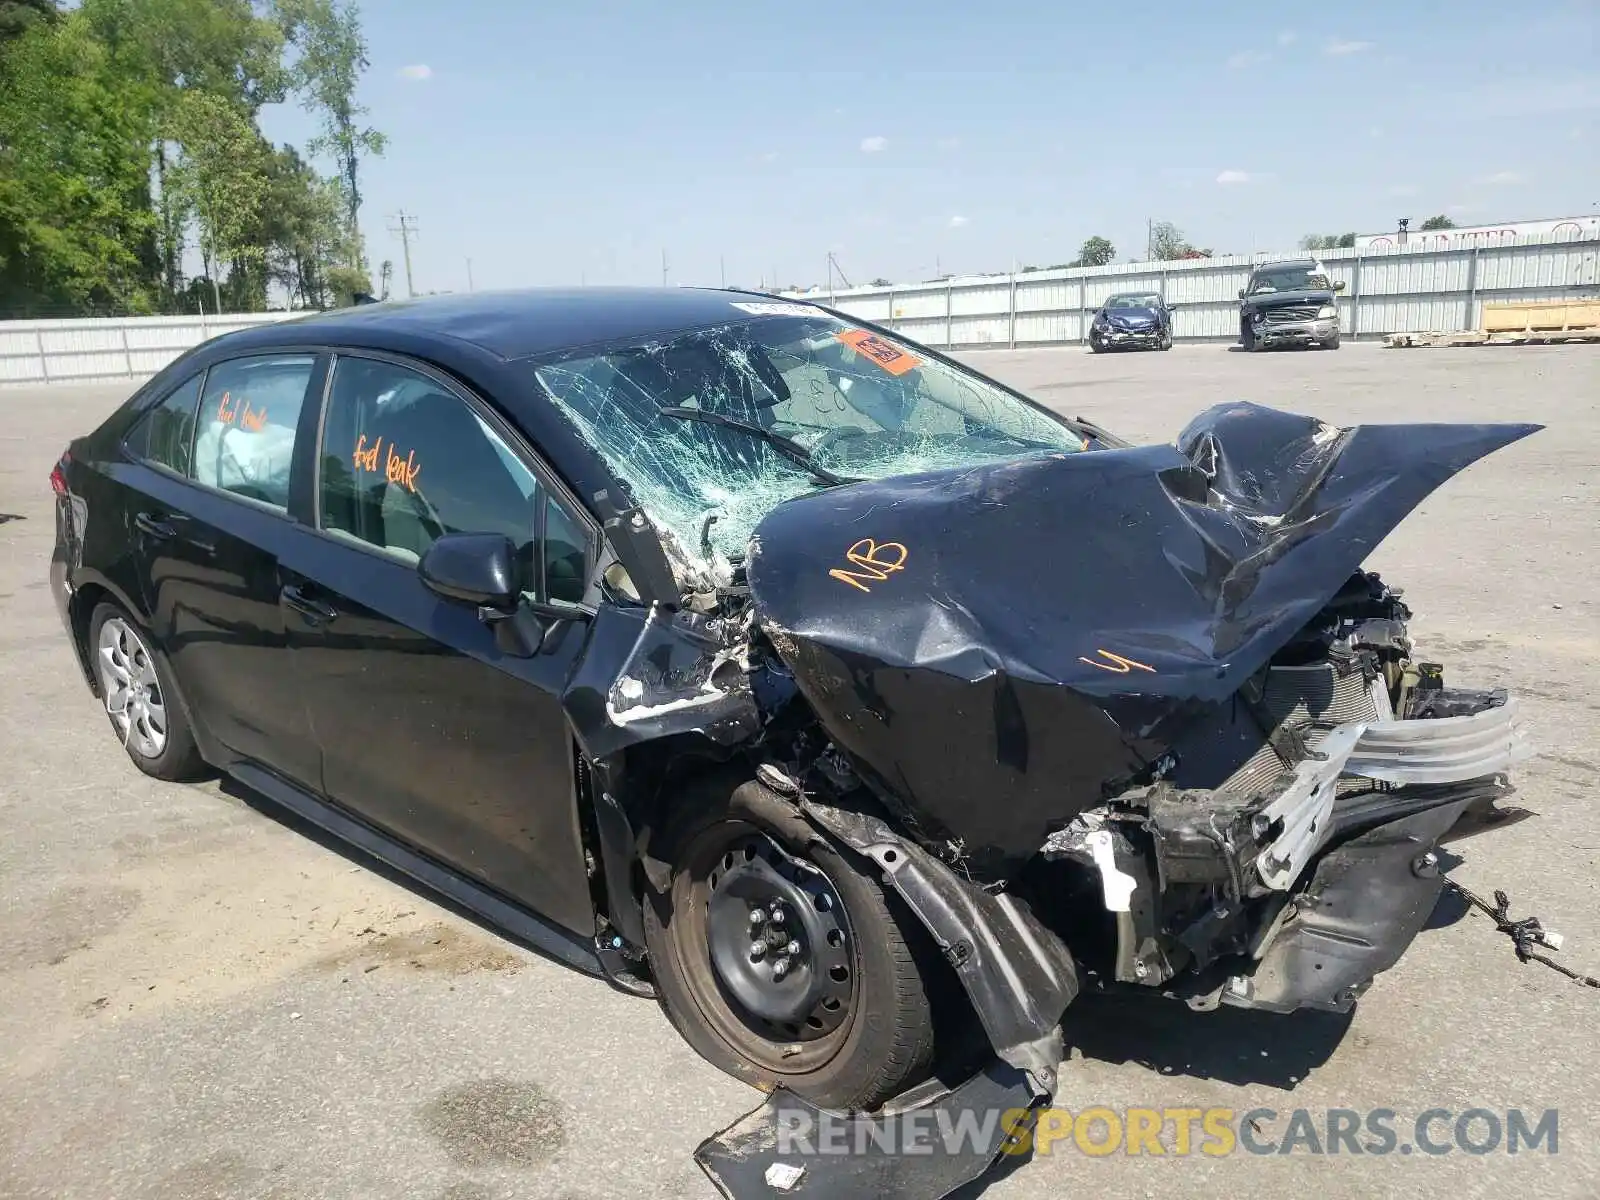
{"x":199,"y":1000}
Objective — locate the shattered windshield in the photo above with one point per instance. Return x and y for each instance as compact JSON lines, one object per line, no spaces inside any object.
{"x":1135,"y":300}
{"x":859,"y":404}
{"x":1292,"y":279}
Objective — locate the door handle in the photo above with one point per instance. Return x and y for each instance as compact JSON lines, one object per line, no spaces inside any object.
{"x":158,"y":529}
{"x":313,"y":611}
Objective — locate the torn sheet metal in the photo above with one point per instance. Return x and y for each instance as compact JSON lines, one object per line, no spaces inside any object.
{"x":924,"y":1149}
{"x":653,"y":672}
{"x":1003,"y":645}
{"x":1019,"y":976}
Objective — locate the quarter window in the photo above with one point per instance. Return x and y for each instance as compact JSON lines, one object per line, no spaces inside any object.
{"x":404,"y":461}
{"x":165,"y":434}
{"x":248,"y":416}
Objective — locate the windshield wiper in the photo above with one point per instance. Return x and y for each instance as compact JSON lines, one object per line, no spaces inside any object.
{"x":789,"y":448}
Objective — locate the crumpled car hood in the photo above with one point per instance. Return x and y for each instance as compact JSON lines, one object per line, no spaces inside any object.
{"x":1000,"y":647}
{"x":1275,"y":299}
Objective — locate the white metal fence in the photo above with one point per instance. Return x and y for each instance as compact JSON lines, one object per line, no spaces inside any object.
{"x":1386,"y":291}
{"x":1402,"y":289}
{"x":107,"y":347}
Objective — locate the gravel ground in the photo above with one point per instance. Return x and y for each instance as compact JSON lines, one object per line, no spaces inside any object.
{"x":199,"y":1000}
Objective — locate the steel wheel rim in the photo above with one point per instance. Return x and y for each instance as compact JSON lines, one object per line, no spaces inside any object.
{"x":778,"y":943}
{"x":785,"y":1047}
{"x":131,"y":689}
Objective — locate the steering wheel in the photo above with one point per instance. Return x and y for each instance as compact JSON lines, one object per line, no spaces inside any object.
{"x":836,"y":434}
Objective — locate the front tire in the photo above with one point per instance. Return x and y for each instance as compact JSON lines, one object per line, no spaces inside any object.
{"x":140,"y":699}
{"x":781,"y":959}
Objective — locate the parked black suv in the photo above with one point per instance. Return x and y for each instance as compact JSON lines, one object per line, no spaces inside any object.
{"x":1289,"y":304}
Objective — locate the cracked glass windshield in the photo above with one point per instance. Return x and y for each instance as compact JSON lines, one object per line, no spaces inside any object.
{"x":820,"y":399}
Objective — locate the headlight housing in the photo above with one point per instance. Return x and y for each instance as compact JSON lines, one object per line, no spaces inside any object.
{"x":1326,"y":311}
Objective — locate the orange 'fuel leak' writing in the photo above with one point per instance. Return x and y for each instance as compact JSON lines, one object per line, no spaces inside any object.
{"x":395,"y":469}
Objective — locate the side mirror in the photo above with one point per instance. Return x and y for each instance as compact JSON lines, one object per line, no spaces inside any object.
{"x":1172,"y":308}
{"x":473,"y":568}
{"x":1242,"y":292}
{"x":1338,"y":285}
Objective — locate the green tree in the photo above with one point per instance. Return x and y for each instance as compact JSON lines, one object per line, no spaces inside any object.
{"x":331,"y":57}
{"x":76,"y":229}
{"x":1167,"y":242}
{"x":1439,"y":222}
{"x":1328,"y":241}
{"x":221,"y":179}
{"x":305,"y":230}
{"x":168,"y":49}
{"x":19,"y":16}
{"x":1095,"y":252}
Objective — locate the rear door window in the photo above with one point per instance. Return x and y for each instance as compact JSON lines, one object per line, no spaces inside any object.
{"x":244,"y":442}
{"x":165,"y":434}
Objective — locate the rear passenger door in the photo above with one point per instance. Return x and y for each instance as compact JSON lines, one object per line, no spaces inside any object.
{"x":427,"y":728}
{"x":211,"y":483}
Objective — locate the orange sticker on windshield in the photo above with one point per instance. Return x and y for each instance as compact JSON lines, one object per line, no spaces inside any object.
{"x":887,"y":355}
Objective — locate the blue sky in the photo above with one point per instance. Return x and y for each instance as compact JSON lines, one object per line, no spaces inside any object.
{"x":565,"y":144}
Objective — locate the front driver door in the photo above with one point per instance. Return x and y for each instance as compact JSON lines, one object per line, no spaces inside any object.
{"x":427,"y":729}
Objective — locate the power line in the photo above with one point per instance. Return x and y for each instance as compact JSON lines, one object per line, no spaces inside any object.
{"x":406,"y":230}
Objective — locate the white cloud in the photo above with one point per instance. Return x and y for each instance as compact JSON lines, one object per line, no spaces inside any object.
{"x":957,"y":222}
{"x":1504,"y":177}
{"x":1287,"y":37}
{"x":874,"y":145}
{"x":1246,"y":58}
{"x":416,"y":72}
{"x":1340,"y":47}
{"x":1464,"y":208}
{"x":949,"y":143}
{"x":1404,"y":189}
{"x":1232,"y":176}
{"x":770,"y":156}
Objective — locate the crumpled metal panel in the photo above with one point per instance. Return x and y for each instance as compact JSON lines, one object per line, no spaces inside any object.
{"x":1001,"y":646}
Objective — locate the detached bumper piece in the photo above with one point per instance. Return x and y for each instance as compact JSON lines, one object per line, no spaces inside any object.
{"x":925,"y":1145}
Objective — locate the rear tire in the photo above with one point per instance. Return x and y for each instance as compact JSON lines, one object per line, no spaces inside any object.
{"x":846,"y":1021}
{"x":140,"y":699}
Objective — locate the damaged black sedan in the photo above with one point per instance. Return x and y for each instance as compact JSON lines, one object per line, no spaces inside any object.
{"x":859,"y":708}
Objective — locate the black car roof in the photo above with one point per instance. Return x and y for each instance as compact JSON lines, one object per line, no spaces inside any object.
{"x":522,"y":323}
{"x":1287,"y":262}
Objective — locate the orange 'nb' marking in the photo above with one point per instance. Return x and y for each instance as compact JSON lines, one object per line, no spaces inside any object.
{"x":403,"y":471}
{"x":872,"y":562}
{"x":1116,"y":663}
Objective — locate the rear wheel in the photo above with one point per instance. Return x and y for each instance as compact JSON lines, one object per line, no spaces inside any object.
{"x":780,"y":958}
{"x":140,"y":701}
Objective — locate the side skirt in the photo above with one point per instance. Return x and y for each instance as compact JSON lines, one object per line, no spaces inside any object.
{"x":521,"y":924}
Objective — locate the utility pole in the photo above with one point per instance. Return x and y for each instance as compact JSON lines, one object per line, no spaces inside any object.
{"x":406,"y":229}
{"x":722,"y":269}
{"x":663,"y":268}
{"x":469,"y":275}
{"x":1149,"y":238}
